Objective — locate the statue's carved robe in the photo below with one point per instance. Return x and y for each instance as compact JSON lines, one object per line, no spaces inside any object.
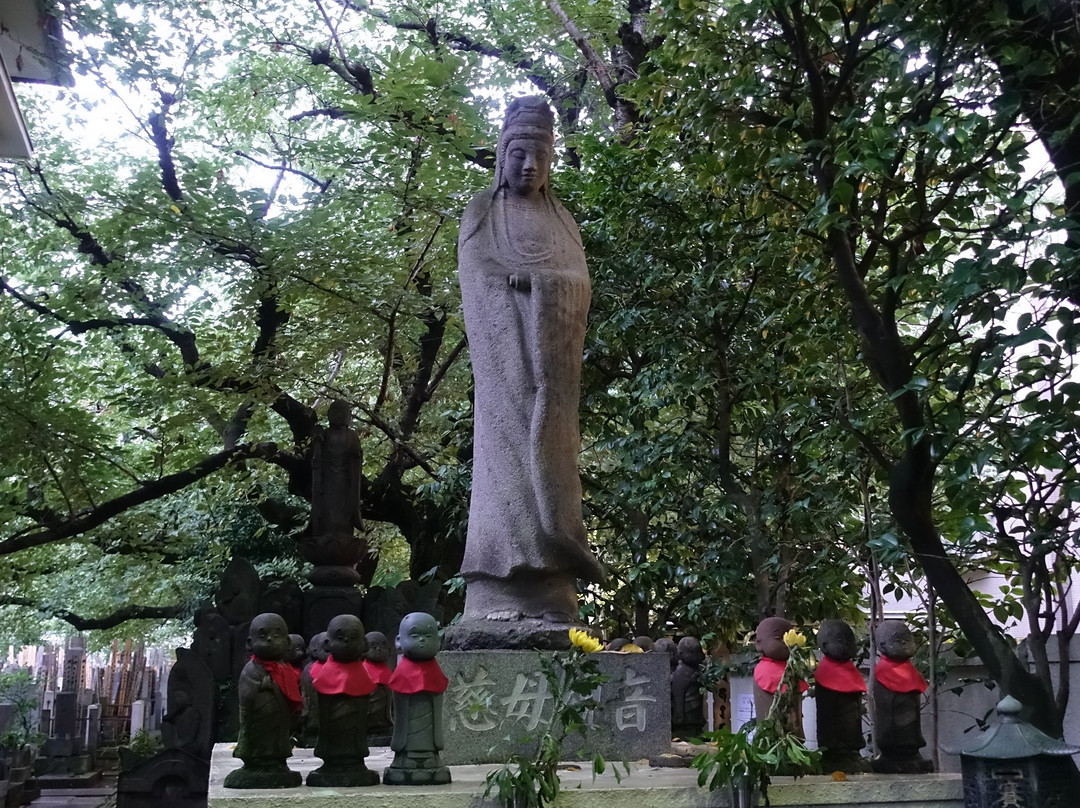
{"x":526,"y":344}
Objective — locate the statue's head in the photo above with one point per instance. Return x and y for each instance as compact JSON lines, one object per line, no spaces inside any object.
{"x":690,"y":652}
{"x":318,"y":649}
{"x":895,"y":640}
{"x":769,"y":638}
{"x":339,"y":414}
{"x":617,"y":644}
{"x":666,"y":645}
{"x":345,"y":638}
{"x":378,"y":647}
{"x":836,"y":640}
{"x":268,"y":637}
{"x":644,"y":643}
{"x":297,"y":649}
{"x":526,"y":144}
{"x":418,"y":637}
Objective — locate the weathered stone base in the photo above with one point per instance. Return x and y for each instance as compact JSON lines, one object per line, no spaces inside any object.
{"x":343,"y":777}
{"x":323,"y":603}
{"x":416,"y":777}
{"x":277,"y":777}
{"x":914,"y":764}
{"x":498,"y":703}
{"x":527,"y":633}
{"x":848,"y":762}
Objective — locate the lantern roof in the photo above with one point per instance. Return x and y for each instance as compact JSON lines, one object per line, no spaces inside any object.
{"x":1011,"y":738}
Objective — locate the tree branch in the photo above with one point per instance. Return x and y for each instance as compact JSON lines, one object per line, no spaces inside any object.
{"x":169,"y":484}
{"x":112,"y":620}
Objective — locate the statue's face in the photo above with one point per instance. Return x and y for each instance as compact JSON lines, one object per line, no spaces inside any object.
{"x":769,"y":639}
{"x":378,"y":647}
{"x":268,"y":637}
{"x":317,"y":648}
{"x":297,"y":648}
{"x":528,"y":165}
{"x":345,"y":638}
{"x":418,"y":637}
{"x":895,"y":640}
{"x":837,"y":641}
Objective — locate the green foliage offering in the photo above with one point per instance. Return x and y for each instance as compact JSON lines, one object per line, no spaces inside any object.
{"x":766,"y":746}
{"x":142,"y":746}
{"x":532,"y":781}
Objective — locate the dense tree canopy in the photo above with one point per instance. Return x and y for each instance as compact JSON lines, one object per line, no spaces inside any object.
{"x":832,"y":321}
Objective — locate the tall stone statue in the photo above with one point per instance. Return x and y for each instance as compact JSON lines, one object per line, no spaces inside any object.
{"x":336,"y":462}
{"x":525,"y":289}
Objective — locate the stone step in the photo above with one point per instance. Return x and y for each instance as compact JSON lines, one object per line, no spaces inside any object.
{"x":77,"y":782}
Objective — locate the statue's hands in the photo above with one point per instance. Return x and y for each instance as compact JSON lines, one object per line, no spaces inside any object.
{"x":523,"y":283}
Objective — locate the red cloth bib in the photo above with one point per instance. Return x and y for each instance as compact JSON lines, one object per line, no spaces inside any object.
{"x":415,"y":677}
{"x":285,"y":676}
{"x":769,"y":672}
{"x":899,"y":677}
{"x":843,"y":677}
{"x":379,"y":672}
{"x":342,"y":678}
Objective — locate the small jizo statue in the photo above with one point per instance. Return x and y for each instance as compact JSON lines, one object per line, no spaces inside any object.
{"x":768,"y":673}
{"x":269,"y":691}
{"x":297,"y":651}
{"x":377,"y":665}
{"x":343,"y":687}
{"x":897,"y":691}
{"x":418,"y":684}
{"x":317,"y":652}
{"x":687,"y":703}
{"x":666,"y":645}
{"x":840,"y":689}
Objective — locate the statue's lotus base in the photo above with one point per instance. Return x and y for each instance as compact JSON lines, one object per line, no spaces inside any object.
{"x":523,"y":634}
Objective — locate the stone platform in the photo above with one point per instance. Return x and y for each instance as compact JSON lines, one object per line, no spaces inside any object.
{"x":644,"y":787}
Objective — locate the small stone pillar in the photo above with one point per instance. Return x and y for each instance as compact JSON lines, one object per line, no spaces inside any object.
{"x":138,"y":716}
{"x":93,"y":730}
{"x":1013,"y":763}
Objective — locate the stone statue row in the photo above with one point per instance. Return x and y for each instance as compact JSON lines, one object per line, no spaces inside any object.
{"x":348,"y":673}
{"x":840,"y":689}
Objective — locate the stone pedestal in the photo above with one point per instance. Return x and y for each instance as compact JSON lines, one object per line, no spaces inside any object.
{"x":497,"y":698}
{"x":323,"y":603}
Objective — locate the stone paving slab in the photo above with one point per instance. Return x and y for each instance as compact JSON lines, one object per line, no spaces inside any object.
{"x":644,"y":787}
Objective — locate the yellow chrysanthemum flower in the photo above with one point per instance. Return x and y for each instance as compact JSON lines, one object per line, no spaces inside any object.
{"x":793,"y":637}
{"x":582,"y":640}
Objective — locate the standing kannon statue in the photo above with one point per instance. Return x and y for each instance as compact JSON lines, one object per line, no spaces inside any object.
{"x":525,"y":289}
{"x":336,"y":463}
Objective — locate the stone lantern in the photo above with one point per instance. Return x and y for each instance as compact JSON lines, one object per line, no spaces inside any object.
{"x":1014,"y":764}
